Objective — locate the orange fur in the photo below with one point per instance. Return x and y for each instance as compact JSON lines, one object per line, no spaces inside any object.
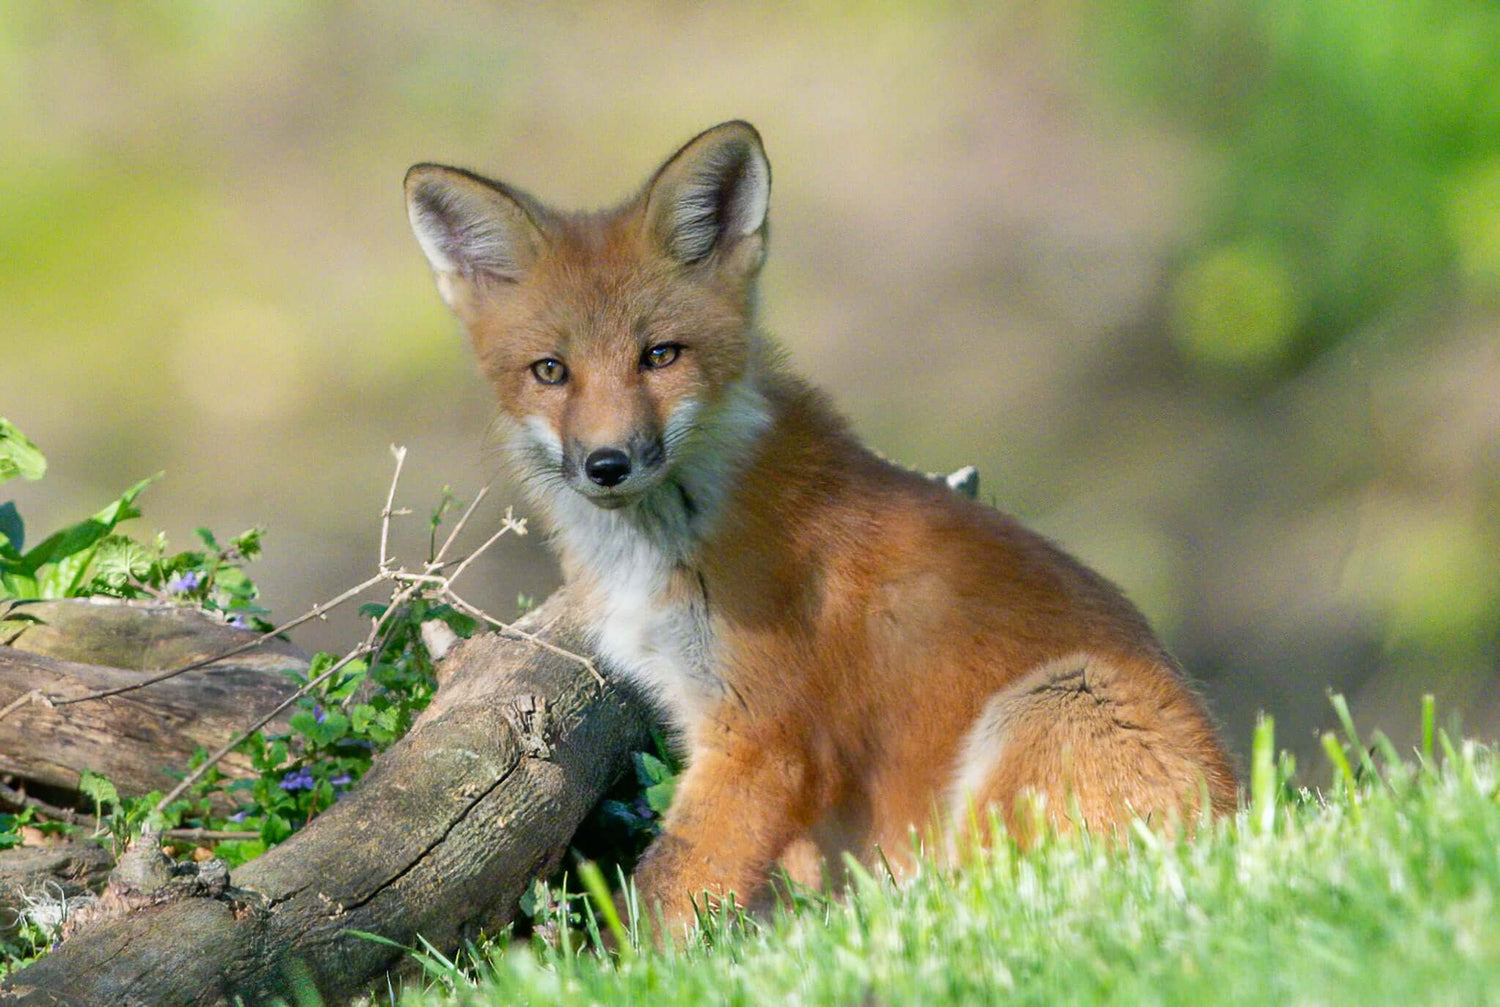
{"x":845,"y":649}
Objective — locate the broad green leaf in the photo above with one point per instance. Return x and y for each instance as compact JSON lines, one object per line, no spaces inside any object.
{"x":659,"y":796}
{"x":74,"y":540}
{"x":333,"y":726}
{"x":12,"y":530}
{"x":361,"y":717}
{"x":17,"y":582}
{"x":274,"y":829}
{"x":18,"y":456}
{"x":649,"y":769}
{"x":120,"y":558}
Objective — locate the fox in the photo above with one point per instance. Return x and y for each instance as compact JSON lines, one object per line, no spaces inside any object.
{"x":844,"y":649}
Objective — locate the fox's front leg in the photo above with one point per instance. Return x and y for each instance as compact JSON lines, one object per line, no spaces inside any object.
{"x":736,"y":808}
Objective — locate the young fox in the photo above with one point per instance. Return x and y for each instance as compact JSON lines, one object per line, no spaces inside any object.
{"x":845,"y":649}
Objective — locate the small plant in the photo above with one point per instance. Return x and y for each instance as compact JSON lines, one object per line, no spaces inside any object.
{"x":90,"y":558}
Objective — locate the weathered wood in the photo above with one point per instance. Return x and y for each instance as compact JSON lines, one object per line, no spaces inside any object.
{"x":83,"y":646}
{"x":69,"y":870}
{"x":137,"y":635}
{"x":441,"y":838}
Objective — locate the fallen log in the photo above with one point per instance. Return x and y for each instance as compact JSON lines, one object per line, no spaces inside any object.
{"x":79,"y":646}
{"x":441,"y":838}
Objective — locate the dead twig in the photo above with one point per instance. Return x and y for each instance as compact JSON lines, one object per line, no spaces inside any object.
{"x":437,"y":559}
{"x":19,"y":799}
{"x":316,"y":612}
{"x":35,"y":695}
{"x":520,"y":634}
{"x":16,"y":798}
{"x":406,"y":585}
{"x":390,"y":499}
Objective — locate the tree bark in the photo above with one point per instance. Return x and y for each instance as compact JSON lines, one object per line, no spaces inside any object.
{"x":84,"y":646}
{"x":441,"y":838}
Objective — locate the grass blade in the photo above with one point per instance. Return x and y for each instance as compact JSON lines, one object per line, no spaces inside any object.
{"x":1263,"y":775}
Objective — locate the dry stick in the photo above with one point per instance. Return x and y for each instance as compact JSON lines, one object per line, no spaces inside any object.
{"x":23,"y":699}
{"x":463,"y":519}
{"x":509,"y":524}
{"x":20,"y":799}
{"x":208,"y":835}
{"x":69,"y":816}
{"x":514,"y":631}
{"x":317,"y":611}
{"x":390,"y":498}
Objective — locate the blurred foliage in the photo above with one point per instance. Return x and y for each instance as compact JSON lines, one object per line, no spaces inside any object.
{"x":1356,"y":162}
{"x":1350,"y":212}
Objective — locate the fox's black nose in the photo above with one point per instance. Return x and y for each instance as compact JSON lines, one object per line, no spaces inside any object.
{"x":607,"y":466}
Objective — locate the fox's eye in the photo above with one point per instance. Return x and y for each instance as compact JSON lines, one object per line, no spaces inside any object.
{"x":661,"y":355}
{"x":550,"y":371}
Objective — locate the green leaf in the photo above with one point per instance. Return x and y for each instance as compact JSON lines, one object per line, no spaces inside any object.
{"x":649,"y":769}
{"x":18,"y":456}
{"x":91,"y":784}
{"x":120,"y":558}
{"x":17,"y":583}
{"x":333,"y":726}
{"x":659,"y":796}
{"x":361,"y":717}
{"x":274,"y":829}
{"x":248,"y":543}
{"x":72,"y":542}
{"x":12,"y":529}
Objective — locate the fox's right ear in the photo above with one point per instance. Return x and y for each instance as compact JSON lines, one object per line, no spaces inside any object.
{"x":471,"y":229}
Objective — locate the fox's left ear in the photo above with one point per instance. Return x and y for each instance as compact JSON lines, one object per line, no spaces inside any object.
{"x":710,"y":199}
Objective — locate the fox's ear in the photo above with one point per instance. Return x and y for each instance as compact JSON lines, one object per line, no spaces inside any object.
{"x":470,"y":228}
{"x":712,"y":195}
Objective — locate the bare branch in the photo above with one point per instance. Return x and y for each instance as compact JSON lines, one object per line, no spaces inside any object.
{"x":521,"y":634}
{"x":16,"y":798}
{"x":208,"y":835}
{"x":35,"y":695}
{"x":390,"y":498}
{"x":510,"y":524}
{"x":316,"y":612}
{"x":437,"y":560}
{"x":69,"y":816}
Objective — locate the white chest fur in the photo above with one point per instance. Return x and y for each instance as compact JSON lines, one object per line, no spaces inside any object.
{"x":648,"y":610}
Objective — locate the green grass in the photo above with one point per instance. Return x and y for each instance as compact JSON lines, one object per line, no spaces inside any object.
{"x":1381,"y":892}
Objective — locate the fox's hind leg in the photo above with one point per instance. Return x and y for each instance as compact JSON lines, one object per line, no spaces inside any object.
{"x":1094,"y":739}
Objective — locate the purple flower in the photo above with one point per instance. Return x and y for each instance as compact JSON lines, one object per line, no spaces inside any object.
{"x":342,"y":780}
{"x":237,"y":620}
{"x":301,"y":779}
{"x":319,"y":714}
{"x":184,"y":582}
{"x":240,"y":816}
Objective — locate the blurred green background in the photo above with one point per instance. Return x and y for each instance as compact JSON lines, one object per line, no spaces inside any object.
{"x":1207,"y":290}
